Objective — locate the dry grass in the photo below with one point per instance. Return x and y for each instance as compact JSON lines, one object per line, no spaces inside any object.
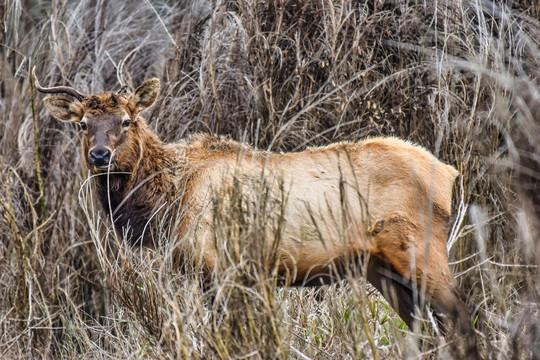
{"x":459,"y":77}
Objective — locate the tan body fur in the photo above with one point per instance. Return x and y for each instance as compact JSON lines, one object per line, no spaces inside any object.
{"x":397,"y":198}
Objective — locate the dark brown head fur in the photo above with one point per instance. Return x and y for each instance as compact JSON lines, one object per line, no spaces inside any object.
{"x":121,"y":151}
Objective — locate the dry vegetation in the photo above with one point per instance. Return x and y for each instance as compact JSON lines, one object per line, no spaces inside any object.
{"x":460,"y":77}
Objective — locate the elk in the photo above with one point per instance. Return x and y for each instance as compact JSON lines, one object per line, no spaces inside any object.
{"x":381,"y":196}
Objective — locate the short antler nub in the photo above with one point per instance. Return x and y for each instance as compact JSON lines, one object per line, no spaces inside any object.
{"x":57,"y":89}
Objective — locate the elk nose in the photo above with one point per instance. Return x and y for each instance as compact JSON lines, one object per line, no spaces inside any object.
{"x":100,"y":156}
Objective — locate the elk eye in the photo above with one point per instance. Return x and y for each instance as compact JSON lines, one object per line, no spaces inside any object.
{"x":83,"y":126}
{"x":126,"y":123}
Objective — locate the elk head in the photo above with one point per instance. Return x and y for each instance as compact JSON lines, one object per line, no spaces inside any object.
{"x":108,"y":121}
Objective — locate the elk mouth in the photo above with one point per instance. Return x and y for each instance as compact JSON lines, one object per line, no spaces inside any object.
{"x":102,"y":168}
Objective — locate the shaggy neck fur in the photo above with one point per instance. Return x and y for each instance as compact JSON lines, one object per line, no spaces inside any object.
{"x":138,"y":186}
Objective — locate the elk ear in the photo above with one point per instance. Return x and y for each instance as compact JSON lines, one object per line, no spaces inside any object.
{"x":144,"y":96}
{"x":63,"y":108}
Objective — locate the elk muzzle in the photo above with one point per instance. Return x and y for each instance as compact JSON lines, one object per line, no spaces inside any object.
{"x":100,"y":157}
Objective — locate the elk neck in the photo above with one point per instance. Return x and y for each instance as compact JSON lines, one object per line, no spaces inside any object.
{"x":135,"y":194}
